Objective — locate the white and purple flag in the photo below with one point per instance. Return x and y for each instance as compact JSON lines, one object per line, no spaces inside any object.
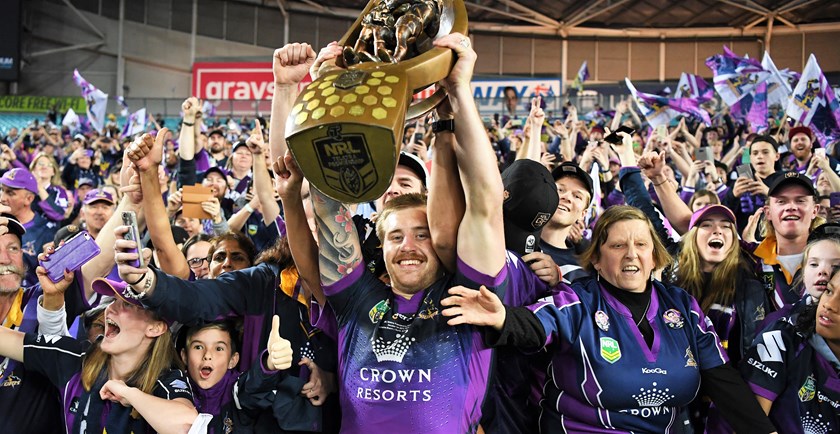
{"x":778,"y":85}
{"x":735,"y":77}
{"x":97,"y":101}
{"x":135,"y":124}
{"x":123,"y":106}
{"x":752,"y":107}
{"x":659,"y":110}
{"x":694,"y":86}
{"x":71,"y":121}
{"x":582,"y":76}
{"x":814,"y":103}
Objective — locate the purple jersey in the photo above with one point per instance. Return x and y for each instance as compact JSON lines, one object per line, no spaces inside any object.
{"x":603,"y":376}
{"x":401,"y":367}
{"x":787,"y":368}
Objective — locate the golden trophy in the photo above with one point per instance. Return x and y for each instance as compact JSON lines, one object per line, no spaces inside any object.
{"x":346,"y":127}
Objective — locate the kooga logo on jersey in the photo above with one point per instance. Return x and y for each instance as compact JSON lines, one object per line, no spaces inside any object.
{"x":655,"y":371}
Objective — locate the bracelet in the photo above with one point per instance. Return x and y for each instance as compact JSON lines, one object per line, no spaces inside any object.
{"x":138,"y":280}
{"x":657,"y":185}
{"x":188,"y":124}
{"x":248,"y":208}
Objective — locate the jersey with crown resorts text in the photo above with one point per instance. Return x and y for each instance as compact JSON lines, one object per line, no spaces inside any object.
{"x":60,"y":360}
{"x":401,"y":367}
{"x":603,"y":376}
{"x":785,"y":367}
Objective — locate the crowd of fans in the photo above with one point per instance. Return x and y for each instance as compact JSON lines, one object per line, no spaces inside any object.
{"x":672,"y":279}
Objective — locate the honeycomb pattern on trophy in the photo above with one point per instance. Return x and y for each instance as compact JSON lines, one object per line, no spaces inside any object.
{"x":363,"y":94}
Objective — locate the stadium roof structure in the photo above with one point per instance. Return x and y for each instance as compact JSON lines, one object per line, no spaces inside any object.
{"x":623,"y":18}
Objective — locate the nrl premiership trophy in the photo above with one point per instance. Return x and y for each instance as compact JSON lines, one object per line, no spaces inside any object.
{"x":345,"y":129}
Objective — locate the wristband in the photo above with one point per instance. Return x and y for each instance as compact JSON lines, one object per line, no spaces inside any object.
{"x":188,"y":123}
{"x":248,"y":208}
{"x":138,"y":280}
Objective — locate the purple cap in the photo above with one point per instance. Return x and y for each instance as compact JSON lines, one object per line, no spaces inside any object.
{"x":98,"y":195}
{"x":119,"y":289}
{"x":20,"y":178}
{"x":706,"y":211}
{"x":113,"y":288}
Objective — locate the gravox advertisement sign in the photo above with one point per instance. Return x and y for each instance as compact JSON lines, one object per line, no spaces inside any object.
{"x":234,"y":80}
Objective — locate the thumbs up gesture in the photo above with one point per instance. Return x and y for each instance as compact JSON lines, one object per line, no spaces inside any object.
{"x":279,"y":350}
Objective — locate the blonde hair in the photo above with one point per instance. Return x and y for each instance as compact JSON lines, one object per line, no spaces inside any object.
{"x":800,"y":279}
{"x":160,"y":357}
{"x":713,"y":198}
{"x":56,"y":178}
{"x":399,"y":203}
{"x":721,"y":288}
{"x":611,"y":216}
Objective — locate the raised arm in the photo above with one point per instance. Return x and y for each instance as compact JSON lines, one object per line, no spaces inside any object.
{"x":532,"y":148}
{"x":301,"y":244}
{"x":103,"y":263}
{"x":262,"y":180}
{"x":479,"y":243}
{"x":445,"y":202}
{"x":339,"y":249}
{"x":146,"y":158}
{"x":291,"y":64}
{"x":675,"y":210}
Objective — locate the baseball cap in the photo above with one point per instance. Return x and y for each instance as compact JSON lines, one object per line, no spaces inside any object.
{"x":781,"y":179}
{"x":113,"y":288}
{"x":824,"y":232}
{"x":596,"y":129}
{"x":216,"y":131}
{"x":20,"y":178}
{"x":98,"y":195}
{"x":415,"y":164}
{"x":568,"y":168}
{"x":706,"y":211}
{"x":530,"y":199}
{"x":800,"y":129}
{"x":80,"y":137}
{"x":216,"y":169}
{"x":14,"y":225}
{"x":238,"y":145}
{"x":85,"y":181}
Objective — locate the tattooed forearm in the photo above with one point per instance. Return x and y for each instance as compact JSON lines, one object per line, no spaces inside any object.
{"x":339,"y":249}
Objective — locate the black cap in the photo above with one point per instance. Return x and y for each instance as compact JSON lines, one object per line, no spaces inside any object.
{"x":781,"y":179}
{"x":14,"y":225}
{"x":217,"y":169}
{"x":529,"y":202}
{"x":415,"y":164}
{"x":827,"y":231}
{"x":766,"y":139}
{"x":571,"y":169}
{"x":238,"y":145}
{"x":216,"y":131}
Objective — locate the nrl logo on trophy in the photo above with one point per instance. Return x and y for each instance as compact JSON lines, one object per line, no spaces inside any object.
{"x":345,"y":129}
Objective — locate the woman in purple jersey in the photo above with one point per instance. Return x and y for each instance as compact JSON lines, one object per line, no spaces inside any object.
{"x":793,"y":369}
{"x":628,"y":352}
{"x":121,"y":383}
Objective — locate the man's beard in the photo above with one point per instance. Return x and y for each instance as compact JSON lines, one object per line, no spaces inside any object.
{"x":216,"y":147}
{"x":19,"y":272}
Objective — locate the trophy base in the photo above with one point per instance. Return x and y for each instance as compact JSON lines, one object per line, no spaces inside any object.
{"x":349,"y":162}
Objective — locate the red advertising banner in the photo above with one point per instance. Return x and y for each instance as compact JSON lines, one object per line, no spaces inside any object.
{"x":234,"y":80}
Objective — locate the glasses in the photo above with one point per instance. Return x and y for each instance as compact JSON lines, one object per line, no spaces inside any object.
{"x":195,"y":263}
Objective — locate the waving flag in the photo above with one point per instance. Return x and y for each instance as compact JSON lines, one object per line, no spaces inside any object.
{"x":97,"y":101}
{"x":659,"y":110}
{"x":735,"y":76}
{"x":582,"y":76}
{"x":814,"y":103}
{"x":778,"y":86}
{"x":753,"y":107}
{"x":693,"y":86}
{"x":135,"y":124}
{"x":123,"y":106}
{"x":71,"y":121}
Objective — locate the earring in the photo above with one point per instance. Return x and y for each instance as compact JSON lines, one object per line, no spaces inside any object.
{"x":598,"y":277}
